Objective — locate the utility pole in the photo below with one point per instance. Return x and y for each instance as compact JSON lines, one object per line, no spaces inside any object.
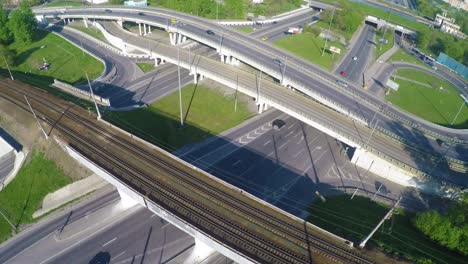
{"x":387,"y":216}
{"x":94,"y":99}
{"x":329,"y":28}
{"x":372,"y":133}
{"x":8,"y":67}
{"x":178,"y":74}
{"x":258,"y":86}
{"x":221,"y":42}
{"x":35,"y":117}
{"x":235,"y":99}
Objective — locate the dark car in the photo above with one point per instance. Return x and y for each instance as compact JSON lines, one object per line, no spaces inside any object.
{"x":278,"y":123}
{"x":274,"y":22}
{"x":209,"y":32}
{"x":141,"y":14}
{"x":341,"y":83}
{"x":108,"y":11}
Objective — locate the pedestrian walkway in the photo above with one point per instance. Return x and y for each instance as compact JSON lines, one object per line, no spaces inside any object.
{"x":413,"y":81}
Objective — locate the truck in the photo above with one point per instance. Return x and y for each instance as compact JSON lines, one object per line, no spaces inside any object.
{"x":295,"y":30}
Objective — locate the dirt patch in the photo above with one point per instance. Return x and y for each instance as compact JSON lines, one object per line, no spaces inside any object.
{"x":22,"y":126}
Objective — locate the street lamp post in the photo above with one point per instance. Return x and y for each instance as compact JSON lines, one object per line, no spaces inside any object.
{"x":178,"y":74}
{"x":8,"y":67}
{"x":329,"y":28}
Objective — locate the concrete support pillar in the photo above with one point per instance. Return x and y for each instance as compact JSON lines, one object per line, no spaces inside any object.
{"x":156,"y":61}
{"x":201,"y":77}
{"x":85,"y":21}
{"x":261,"y":107}
{"x":144,"y":29}
{"x":172,"y":37}
{"x":149,"y":29}
{"x":179,"y":38}
{"x":120,"y":23}
{"x":222,"y":58}
{"x":139,"y":27}
{"x":126,"y":199}
{"x":184,"y":38}
{"x":195,"y":78}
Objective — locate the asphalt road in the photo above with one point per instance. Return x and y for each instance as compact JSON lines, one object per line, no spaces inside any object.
{"x":28,"y":238}
{"x":362,"y":50}
{"x":286,"y":166}
{"x":105,"y":228}
{"x":305,"y":73}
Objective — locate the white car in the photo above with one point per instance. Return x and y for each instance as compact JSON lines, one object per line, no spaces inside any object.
{"x":355,"y":58}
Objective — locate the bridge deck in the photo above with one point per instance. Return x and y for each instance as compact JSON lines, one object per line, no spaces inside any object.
{"x":258,"y":231}
{"x":382,"y":144}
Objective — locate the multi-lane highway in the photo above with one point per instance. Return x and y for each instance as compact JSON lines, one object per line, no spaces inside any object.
{"x":308,"y":75}
{"x":357,"y":59}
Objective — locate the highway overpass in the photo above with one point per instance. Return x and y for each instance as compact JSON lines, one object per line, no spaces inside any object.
{"x":389,"y":124}
{"x":222,"y":216}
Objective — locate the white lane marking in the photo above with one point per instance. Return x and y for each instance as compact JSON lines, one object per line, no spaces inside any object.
{"x":89,"y":236}
{"x":110,"y":241}
{"x":116,"y":257}
{"x":298,"y":153}
{"x":266,"y":143}
{"x":284,"y":144}
{"x":287,"y":135}
{"x":300,"y":140}
{"x":235,"y":163}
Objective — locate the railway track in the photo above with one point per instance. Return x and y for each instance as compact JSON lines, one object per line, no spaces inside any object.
{"x":254,"y":244}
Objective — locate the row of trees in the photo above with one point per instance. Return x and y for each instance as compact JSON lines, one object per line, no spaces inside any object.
{"x":450,"y":230}
{"x":345,"y":19}
{"x":437,"y":42}
{"x":206,"y":8}
{"x":20,"y":26}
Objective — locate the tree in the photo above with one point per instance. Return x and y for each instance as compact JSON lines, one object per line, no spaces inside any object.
{"x":423,"y":38}
{"x":23,"y":23}
{"x":5,"y":33}
{"x":8,"y":55}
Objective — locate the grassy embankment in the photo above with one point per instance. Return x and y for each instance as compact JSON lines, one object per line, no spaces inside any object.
{"x":24,"y":195}
{"x":354,"y":219}
{"x":309,"y":47}
{"x":429,"y":98}
{"x":206,"y":112}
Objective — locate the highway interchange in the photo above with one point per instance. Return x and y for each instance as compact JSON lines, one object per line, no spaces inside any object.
{"x":307,"y":74}
{"x":258,"y":159}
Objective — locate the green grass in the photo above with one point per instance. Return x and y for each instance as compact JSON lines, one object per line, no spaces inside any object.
{"x":67,"y":62}
{"x":97,"y":34}
{"x":354,"y":219}
{"x":146,"y":67}
{"x":402,"y":56}
{"x":373,"y":11}
{"x":246,"y":29}
{"x":310,"y":48}
{"x":24,"y":195}
{"x":432,"y":104}
{"x":64,"y":3}
{"x":324,"y":25}
{"x":382,"y":48}
{"x":209,"y":114}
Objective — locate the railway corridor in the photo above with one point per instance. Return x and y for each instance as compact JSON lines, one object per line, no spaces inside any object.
{"x":257,"y":231}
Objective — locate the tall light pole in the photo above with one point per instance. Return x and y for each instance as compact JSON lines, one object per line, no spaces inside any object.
{"x":329,"y":28}
{"x":178,"y":75}
{"x":94,"y":99}
{"x":8,"y":67}
{"x":37,"y":120}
